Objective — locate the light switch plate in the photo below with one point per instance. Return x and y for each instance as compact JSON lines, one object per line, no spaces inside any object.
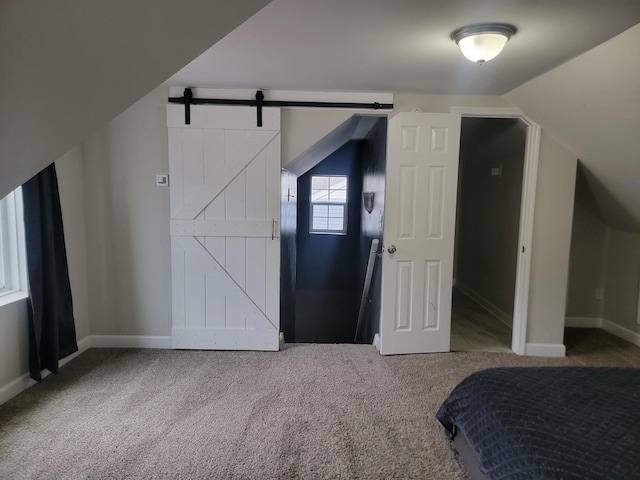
{"x":162,"y":180}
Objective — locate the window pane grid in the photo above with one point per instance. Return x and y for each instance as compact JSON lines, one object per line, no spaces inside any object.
{"x":328,"y":204}
{"x":12,"y":249}
{"x":3,"y":243}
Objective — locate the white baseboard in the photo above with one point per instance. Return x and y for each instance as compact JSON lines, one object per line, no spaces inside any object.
{"x":489,"y":306}
{"x":608,"y":326}
{"x":130,"y":341}
{"x":15,"y":387}
{"x":376,"y":341}
{"x":545,"y":350}
{"x":583,"y":322}
{"x":23,"y":382}
{"x":622,"y":332}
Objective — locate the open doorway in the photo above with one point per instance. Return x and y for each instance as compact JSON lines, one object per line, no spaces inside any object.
{"x":490,"y":182}
{"x":327,"y":243}
{"x":333,"y":235}
{"x":302,"y":165}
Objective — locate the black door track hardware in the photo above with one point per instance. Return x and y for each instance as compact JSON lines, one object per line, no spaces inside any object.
{"x":188,"y":99}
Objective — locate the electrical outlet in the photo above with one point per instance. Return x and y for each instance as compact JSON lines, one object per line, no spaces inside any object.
{"x":599,"y":293}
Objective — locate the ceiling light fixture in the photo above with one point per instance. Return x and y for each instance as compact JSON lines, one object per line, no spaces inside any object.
{"x":482,"y":42}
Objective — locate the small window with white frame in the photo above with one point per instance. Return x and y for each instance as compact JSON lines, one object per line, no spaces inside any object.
{"x":13,"y":275}
{"x":329,"y":204}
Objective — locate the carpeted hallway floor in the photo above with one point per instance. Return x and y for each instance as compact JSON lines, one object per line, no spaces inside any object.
{"x":310,"y":411}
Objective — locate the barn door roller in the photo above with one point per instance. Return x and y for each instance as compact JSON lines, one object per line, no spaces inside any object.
{"x":188,"y":99}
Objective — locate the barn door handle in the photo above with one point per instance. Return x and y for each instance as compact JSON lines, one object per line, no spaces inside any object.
{"x":273,"y":229}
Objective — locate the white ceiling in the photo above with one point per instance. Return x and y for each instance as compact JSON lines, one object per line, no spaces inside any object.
{"x":572,"y":66}
{"x":401,"y":45}
{"x":69,"y":66}
{"x":591,"y":105}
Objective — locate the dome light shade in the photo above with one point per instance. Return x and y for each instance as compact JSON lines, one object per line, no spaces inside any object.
{"x":481,"y":43}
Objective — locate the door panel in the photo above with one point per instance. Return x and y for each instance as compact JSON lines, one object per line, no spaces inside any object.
{"x":225,"y":212}
{"x":422,"y":170}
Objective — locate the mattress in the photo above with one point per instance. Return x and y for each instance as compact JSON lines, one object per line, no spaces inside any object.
{"x":579,"y":423}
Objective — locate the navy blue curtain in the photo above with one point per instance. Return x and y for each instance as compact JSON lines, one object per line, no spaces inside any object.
{"x":52,"y":334}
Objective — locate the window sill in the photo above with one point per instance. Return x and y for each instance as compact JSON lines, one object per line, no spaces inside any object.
{"x":327,"y":233}
{"x":11,"y":297}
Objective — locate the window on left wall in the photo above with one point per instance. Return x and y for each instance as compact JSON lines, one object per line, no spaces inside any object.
{"x":13,"y":270}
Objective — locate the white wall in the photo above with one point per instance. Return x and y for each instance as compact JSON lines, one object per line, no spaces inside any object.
{"x":69,"y":66}
{"x":128,"y":222}
{"x":622,"y":279}
{"x":302,"y":128}
{"x":14,"y":342}
{"x":128,"y":218}
{"x":589,"y":238}
{"x":551,"y":243}
{"x":117,"y":227}
{"x":407,"y":102}
{"x":14,"y":332}
{"x":590,"y":105}
{"x":607,"y":258}
{"x":70,"y":171}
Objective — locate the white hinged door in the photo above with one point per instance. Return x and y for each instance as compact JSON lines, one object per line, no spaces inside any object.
{"x":225,"y":215}
{"x":420,"y":206}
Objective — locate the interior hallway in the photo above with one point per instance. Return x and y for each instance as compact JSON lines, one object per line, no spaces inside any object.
{"x":474,"y":329}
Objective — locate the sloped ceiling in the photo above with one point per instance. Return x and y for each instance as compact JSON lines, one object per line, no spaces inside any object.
{"x":355,"y":127}
{"x":587,"y":99}
{"x":69,"y":66}
{"x":401,"y":45}
{"x":591,"y":105}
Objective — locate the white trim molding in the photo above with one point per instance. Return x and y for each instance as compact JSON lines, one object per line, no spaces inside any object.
{"x":622,"y":332}
{"x":489,"y":306}
{"x":130,"y":341}
{"x":608,"y":326}
{"x":638,"y":305}
{"x":17,"y":386}
{"x":583,"y":322}
{"x":530,"y":177}
{"x":488,"y":112}
{"x":545,"y":350}
{"x":25,"y":381}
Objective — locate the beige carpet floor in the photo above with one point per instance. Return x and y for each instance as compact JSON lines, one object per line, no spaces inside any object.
{"x":310,"y":411}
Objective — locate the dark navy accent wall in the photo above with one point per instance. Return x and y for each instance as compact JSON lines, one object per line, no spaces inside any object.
{"x":328,"y":266}
{"x":374,"y":159}
{"x":288,"y":226}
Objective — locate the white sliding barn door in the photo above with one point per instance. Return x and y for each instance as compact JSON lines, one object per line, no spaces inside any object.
{"x":225,"y":213}
{"x":420,"y":209}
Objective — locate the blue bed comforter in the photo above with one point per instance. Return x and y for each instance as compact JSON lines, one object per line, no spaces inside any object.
{"x":550,"y":423}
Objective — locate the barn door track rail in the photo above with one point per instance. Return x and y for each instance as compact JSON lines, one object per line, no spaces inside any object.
{"x":188,"y":99}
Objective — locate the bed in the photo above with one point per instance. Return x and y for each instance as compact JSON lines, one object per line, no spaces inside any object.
{"x":546,"y":423}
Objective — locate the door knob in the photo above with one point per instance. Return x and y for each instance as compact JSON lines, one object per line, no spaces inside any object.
{"x":391,"y":249}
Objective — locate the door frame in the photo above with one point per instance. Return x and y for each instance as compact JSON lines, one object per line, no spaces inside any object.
{"x":527,"y":207}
